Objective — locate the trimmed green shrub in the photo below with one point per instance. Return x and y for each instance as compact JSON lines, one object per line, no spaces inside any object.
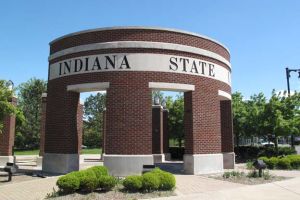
{"x":272,"y":163}
{"x":68,"y":183}
{"x":295,"y":161}
{"x":150,"y":181}
{"x":88,"y":183}
{"x":99,"y":171}
{"x":167,"y":180}
{"x":133,"y":183}
{"x":107,"y":183}
{"x":284,"y":163}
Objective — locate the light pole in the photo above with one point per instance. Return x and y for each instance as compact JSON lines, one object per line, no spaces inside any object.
{"x":288,"y":71}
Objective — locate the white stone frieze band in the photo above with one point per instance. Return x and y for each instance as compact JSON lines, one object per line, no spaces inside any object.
{"x":139,"y":62}
{"x":143,"y":45}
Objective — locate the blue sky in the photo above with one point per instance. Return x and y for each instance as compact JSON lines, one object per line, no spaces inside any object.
{"x":262,"y":35}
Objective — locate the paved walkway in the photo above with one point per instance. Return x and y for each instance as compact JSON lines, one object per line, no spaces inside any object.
{"x":281,"y":190}
{"x":28,"y":190}
{"x":188,"y":187}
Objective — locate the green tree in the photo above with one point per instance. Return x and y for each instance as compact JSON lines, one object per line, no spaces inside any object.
{"x":176,"y":119}
{"x":94,"y":106}
{"x":6,"y":108}
{"x":30,"y":98}
{"x":239,"y":113}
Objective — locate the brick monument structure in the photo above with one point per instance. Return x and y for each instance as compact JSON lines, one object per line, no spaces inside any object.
{"x":130,"y":62}
{"x":7,"y":137}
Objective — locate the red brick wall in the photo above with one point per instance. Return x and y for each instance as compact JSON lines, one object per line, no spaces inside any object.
{"x":157,"y":130}
{"x":7,"y":138}
{"x":79,"y":125}
{"x":226,"y":126}
{"x":138,"y":35}
{"x":43,"y":126}
{"x":128,"y":105}
{"x":165,"y":131}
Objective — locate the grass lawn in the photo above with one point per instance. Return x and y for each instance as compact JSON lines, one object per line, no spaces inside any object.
{"x":36,"y":151}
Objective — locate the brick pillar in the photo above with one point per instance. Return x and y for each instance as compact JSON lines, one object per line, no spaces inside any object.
{"x":43,"y":124}
{"x":128,"y":136}
{"x":227,"y":134}
{"x":8,"y":134}
{"x":7,"y":138}
{"x":188,"y":123}
{"x":202,"y":132}
{"x":165,"y":131}
{"x":103,"y":133}
{"x":157,"y":129}
{"x":62,"y":144}
{"x":79,"y":125}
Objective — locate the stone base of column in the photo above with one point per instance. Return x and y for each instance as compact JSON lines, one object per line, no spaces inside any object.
{"x":229,"y":160}
{"x":203,"y":163}
{"x":158,"y":158}
{"x":56,"y":163}
{"x":167,"y":156}
{"x":39,"y":161}
{"x":124,"y":165}
{"x":5,"y":159}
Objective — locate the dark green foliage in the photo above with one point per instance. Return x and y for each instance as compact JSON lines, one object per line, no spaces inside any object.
{"x":29,"y":101}
{"x":150,"y":181}
{"x":88,"y":183}
{"x":284,"y":163}
{"x":245,"y":153}
{"x":166,"y":180}
{"x":68,"y":183}
{"x":99,"y":171}
{"x":107,"y":183}
{"x":93,"y":125}
{"x":295,"y":161}
{"x":133,"y":183}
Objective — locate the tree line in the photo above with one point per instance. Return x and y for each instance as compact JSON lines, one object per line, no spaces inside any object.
{"x":266,"y":118}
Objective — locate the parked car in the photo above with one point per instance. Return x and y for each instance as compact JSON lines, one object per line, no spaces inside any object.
{"x":267,"y":144}
{"x":83,"y":147}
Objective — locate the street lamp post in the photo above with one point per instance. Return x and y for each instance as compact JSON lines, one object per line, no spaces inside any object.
{"x":288,"y":75}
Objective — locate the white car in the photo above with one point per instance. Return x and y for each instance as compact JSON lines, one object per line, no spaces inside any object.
{"x":271,"y":144}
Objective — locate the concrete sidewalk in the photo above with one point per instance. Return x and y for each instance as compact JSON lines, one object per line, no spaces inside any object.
{"x":281,"y":190}
{"x":28,"y":190}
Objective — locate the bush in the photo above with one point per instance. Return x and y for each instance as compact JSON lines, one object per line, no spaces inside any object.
{"x":245,"y":153}
{"x":167,"y":180}
{"x":99,"y":171}
{"x":133,"y":183}
{"x":107,"y":183}
{"x":253,"y":174}
{"x":295,"y":161}
{"x":232,"y":174}
{"x":88,"y":183}
{"x":284,"y":163}
{"x":150,"y":181}
{"x":68,"y":183}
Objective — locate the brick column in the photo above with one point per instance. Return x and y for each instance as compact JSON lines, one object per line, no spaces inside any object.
{"x":165,"y":131}
{"x":128,"y":136}
{"x":43,"y":124}
{"x":103,"y":133}
{"x":7,"y":137}
{"x":62,"y":142}
{"x":157,"y":129}
{"x":79,"y":125}
{"x":202,"y":132}
{"x":227,"y":134}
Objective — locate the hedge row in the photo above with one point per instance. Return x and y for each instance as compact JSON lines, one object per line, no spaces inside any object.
{"x":245,"y":153}
{"x":283,"y":162}
{"x":88,"y":180}
{"x":154,"y":180}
